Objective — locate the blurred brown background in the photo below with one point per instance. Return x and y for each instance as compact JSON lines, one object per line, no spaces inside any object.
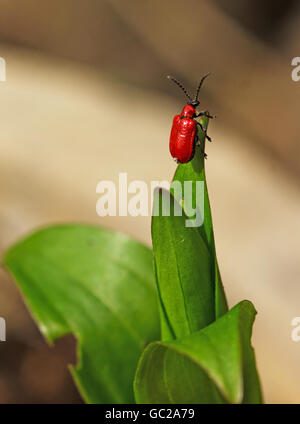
{"x":86,"y":98}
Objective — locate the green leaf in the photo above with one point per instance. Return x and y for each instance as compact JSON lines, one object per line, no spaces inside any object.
{"x":194,"y":171}
{"x":190,"y":290}
{"x":182,"y":265}
{"x":213,"y":365}
{"x":97,"y":285}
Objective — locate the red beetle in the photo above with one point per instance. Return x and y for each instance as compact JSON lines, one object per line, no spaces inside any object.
{"x":183,"y":138}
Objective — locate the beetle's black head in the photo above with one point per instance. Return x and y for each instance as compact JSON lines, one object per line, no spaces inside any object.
{"x":194,"y":103}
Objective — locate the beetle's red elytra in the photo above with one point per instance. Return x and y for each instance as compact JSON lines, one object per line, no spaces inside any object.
{"x":183,"y":138}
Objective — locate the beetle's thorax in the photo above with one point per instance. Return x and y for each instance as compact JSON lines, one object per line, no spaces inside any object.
{"x":188,"y":111}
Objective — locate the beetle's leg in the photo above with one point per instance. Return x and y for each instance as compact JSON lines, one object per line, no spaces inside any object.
{"x":204,"y":130}
{"x":205,"y":113}
{"x":201,"y":126}
{"x":204,"y":154}
{"x":198,"y":143}
{"x":202,"y":150}
{"x":176,"y":160}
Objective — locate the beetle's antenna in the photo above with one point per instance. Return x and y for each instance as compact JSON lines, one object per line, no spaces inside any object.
{"x":200,"y":84}
{"x":180,"y":86}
